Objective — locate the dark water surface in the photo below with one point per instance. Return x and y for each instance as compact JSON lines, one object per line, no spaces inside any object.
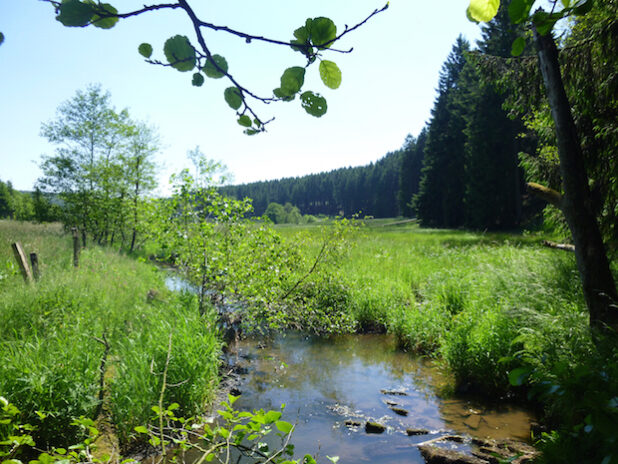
{"x":324,"y":382}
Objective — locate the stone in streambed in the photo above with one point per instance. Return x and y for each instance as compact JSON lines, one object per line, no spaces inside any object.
{"x":374,"y":427}
{"x":400,"y":411}
{"x":436,"y":455}
{"x":393,"y":392}
{"x":353,"y":423}
{"x":410,"y":432}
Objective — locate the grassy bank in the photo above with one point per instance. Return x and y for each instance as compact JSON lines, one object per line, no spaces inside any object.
{"x":112,"y":311}
{"x":464,"y":296}
{"x":504,"y":313}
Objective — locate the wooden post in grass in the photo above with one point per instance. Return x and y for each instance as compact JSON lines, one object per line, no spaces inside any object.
{"x":34,"y":260}
{"x":20,"y":256}
{"x":76,"y":247}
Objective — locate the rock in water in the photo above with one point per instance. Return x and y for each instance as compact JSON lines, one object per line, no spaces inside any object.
{"x":435,"y":455}
{"x":374,"y":427}
{"x":410,"y":432}
{"x":400,"y":411}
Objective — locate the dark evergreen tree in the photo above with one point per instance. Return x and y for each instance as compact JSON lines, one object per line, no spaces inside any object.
{"x":439,"y":202}
{"x":494,"y":182}
{"x":410,"y":173}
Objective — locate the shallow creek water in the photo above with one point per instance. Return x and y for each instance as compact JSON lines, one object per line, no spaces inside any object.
{"x":326,"y":382}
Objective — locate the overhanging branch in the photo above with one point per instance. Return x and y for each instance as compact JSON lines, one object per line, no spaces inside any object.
{"x":550,"y":195}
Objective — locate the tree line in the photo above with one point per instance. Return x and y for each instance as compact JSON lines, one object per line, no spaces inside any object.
{"x":489,"y":135}
{"x":370,"y":190}
{"x":27,"y":206}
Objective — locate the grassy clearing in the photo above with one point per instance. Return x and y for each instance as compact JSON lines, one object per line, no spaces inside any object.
{"x":504,"y":314}
{"x":52,"y":333}
{"x":465,"y":297}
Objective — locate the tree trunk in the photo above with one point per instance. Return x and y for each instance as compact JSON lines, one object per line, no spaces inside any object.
{"x":597,"y":280}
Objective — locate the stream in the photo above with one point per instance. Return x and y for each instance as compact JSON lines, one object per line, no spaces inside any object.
{"x":332,"y":387}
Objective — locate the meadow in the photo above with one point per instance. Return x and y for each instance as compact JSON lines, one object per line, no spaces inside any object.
{"x":501,"y":312}
{"x":112,"y":313}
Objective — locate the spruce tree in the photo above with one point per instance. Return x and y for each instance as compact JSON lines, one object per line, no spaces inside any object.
{"x":493,"y":190}
{"x":439,"y":202}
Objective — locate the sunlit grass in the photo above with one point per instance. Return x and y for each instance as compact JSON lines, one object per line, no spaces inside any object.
{"x":52,"y":337}
{"x":463,"y":297}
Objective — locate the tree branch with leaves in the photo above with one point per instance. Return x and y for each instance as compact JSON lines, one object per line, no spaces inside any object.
{"x":312,"y":40}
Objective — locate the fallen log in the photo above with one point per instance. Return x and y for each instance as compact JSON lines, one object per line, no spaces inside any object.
{"x":559,"y":246}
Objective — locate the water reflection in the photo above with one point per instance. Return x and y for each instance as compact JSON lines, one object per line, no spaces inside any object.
{"x":325,"y":382}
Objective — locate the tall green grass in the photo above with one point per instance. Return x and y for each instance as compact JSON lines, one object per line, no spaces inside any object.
{"x":503,"y":313}
{"x":52,"y":337}
{"x":463,"y":297}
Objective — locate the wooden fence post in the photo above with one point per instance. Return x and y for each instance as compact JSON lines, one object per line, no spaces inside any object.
{"x":20,"y":256}
{"x":34,"y":260}
{"x":76,"y":247}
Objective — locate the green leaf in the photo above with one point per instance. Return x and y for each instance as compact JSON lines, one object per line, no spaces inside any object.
{"x":519,"y":10}
{"x":233,"y":97}
{"x":197,"y":80}
{"x":314,"y":104}
{"x":141,"y":429}
{"x":272,"y":416}
{"x":145,"y":49}
{"x":180,"y":53}
{"x":470,"y":18}
{"x":102,"y":21}
{"x":323,"y":30}
{"x":544,"y":22}
{"x":279,"y":94}
{"x":302,"y":33}
{"x":308,"y":459}
{"x":519,"y":44}
{"x":292,"y":80}
{"x":284,"y":426}
{"x":518,"y":376}
{"x":244,"y":121}
{"x":483,"y":10}
{"x":73,"y":13}
{"x":211,"y":70}
{"x":330,"y":74}
{"x":581,"y":9}
{"x":302,"y":41}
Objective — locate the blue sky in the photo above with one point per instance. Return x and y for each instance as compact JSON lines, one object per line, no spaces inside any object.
{"x":387,"y":90}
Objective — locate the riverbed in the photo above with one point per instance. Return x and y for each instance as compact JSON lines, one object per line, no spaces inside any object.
{"x":332,"y":387}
